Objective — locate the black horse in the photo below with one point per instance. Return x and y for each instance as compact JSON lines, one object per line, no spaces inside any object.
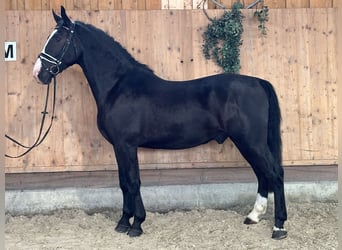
{"x":136,"y":108}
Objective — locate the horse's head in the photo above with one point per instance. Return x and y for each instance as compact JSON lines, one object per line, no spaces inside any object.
{"x":60,"y":50}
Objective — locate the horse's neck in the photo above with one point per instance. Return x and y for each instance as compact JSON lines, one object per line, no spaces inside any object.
{"x":102,"y":74}
{"x":100,"y":79}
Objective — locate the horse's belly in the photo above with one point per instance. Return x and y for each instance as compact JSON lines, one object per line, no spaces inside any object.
{"x":181,"y":137}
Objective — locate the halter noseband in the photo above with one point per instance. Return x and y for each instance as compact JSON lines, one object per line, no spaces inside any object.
{"x":56,"y":68}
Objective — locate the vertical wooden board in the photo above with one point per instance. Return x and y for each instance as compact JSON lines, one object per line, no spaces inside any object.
{"x":140,"y":5}
{"x":21,"y":4}
{"x":321,"y":3}
{"x":94,"y":5}
{"x":336,"y":3}
{"x":166,"y":50}
{"x":164,"y":4}
{"x":297,"y":3}
{"x":331,"y":82}
{"x":33,"y":4}
{"x":157,"y":44}
{"x":315,"y":84}
{"x":45,"y":4}
{"x":139,"y":49}
{"x":130,"y":4}
{"x":132,"y":44}
{"x":11,"y":5}
{"x":290,"y":61}
{"x":176,"y":4}
{"x":201,"y":64}
{"x":82,"y":4}
{"x":26,"y":114}
{"x":30,"y":111}
{"x":153,"y":4}
{"x":187,"y":4}
{"x":106,"y":4}
{"x":174,"y":52}
{"x":118,"y":4}
{"x":323,"y":79}
{"x":303,"y":82}
{"x":275,"y":4}
{"x":72,"y":122}
{"x":56,"y":4}
{"x":186,"y":45}
{"x":68,"y":4}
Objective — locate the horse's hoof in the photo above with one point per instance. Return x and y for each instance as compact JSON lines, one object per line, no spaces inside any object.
{"x":135,"y":232}
{"x":120,"y":228}
{"x":248,"y":221}
{"x":279,"y":234}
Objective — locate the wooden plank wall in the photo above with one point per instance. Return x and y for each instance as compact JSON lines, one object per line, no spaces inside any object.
{"x":298,"y":56}
{"x":154,"y":4}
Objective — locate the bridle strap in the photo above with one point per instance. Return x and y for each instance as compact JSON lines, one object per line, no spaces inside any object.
{"x":55,"y":69}
{"x":40,"y":138}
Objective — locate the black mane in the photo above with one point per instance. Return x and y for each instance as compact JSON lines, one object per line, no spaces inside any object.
{"x":115,"y":49}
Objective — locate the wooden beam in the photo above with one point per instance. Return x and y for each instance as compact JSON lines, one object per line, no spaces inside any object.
{"x":104,"y":179}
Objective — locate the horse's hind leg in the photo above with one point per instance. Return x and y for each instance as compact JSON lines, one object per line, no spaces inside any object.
{"x":130,"y":185}
{"x":260,"y":205}
{"x":270,"y":176}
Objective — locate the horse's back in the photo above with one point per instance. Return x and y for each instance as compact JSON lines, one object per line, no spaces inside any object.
{"x":157,"y":113}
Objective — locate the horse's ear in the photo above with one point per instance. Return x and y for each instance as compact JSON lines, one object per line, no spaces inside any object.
{"x":66,"y":19}
{"x":56,"y":17}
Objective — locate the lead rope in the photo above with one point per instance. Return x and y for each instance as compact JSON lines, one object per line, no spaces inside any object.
{"x":40,"y":138}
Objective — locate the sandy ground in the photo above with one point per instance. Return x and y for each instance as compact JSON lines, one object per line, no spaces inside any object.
{"x":310,"y":226}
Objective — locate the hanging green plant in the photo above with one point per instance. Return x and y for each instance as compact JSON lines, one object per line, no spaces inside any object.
{"x":262,"y":16}
{"x":222,"y":39}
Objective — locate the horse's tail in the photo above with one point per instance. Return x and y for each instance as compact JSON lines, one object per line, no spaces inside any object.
{"x":274,"y":120}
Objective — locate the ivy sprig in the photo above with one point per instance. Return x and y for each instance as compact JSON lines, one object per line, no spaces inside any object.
{"x":262,"y":16}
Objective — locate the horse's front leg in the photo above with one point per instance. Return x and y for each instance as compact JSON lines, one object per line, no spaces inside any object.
{"x":129,"y":178}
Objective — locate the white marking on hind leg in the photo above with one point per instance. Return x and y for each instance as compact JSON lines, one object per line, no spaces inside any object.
{"x":278,"y":229}
{"x":259,"y":209}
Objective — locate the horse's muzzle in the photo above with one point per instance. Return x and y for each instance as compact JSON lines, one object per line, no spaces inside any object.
{"x":42,"y":76}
